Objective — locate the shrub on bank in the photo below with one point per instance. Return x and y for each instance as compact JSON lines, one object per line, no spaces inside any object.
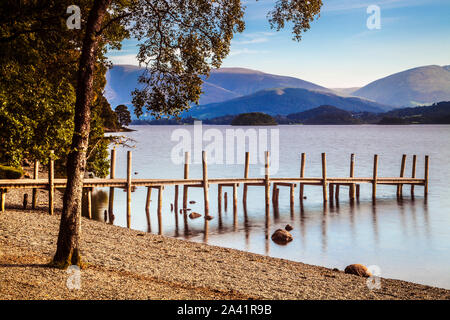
{"x":7,"y":172}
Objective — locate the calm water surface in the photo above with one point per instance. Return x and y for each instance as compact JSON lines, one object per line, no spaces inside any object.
{"x":407,"y":239}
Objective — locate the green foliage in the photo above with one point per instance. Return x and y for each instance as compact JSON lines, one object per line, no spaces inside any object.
{"x":123,"y":115}
{"x":182,"y":40}
{"x":253,"y":119}
{"x":7,"y":172}
{"x":38,"y":65}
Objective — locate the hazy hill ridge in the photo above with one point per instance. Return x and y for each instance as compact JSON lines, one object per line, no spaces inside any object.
{"x":283,"y":101}
{"x":417,"y":86}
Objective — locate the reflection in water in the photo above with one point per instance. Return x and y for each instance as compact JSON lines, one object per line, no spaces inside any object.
{"x":99,"y":202}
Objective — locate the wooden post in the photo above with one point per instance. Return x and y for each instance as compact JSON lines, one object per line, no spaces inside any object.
{"x":219,"y":198}
{"x":225,"y":196}
{"x":3,"y":199}
{"x":235,"y":198}
{"x":402,"y":174}
{"x":89,"y":202}
{"x":357,"y":191}
{"x":292,"y":189}
{"x":324,"y":177}
{"x":128,"y":189}
{"x":427,"y":173}
{"x":112,"y":175}
{"x":160,"y":194}
{"x":352,"y":175}
{"x":375,"y":176}
{"x":337,"y":193}
{"x":176,"y":200}
{"x":302,"y":175}
{"x":247,"y":160}
{"x":148,"y":199}
{"x":186,"y":176}
{"x":205,"y":183}
{"x":413,"y":173}
{"x":267,"y":184}
{"x":331,"y":193}
{"x":274,"y":193}
{"x":51,"y":183}
{"x":35,"y":190}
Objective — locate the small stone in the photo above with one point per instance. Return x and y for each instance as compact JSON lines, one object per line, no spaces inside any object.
{"x":140,"y":234}
{"x":336,"y":269}
{"x":194,"y":215}
{"x":288,"y":227}
{"x":358,"y":270}
{"x":209,"y":217}
{"x":192,"y":202}
{"x":304,"y":197}
{"x":281,"y":237}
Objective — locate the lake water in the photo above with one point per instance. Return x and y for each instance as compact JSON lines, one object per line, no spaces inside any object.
{"x":407,"y":239}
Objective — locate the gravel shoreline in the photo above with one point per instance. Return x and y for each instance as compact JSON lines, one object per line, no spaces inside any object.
{"x":129,"y":264}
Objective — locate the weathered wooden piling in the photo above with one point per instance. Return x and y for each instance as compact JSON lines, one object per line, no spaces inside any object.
{"x":205,"y":184}
{"x":267,"y":184}
{"x":128,"y":189}
{"x":219,"y":198}
{"x":331,"y":193}
{"x":375,"y":176}
{"x":225,"y":199}
{"x":246,"y":169}
{"x":302,"y":175}
{"x":160,"y":197}
{"x":352,"y":188}
{"x":426,"y":176}
{"x":3,"y":199}
{"x":324,"y":177}
{"x":291,"y":194}
{"x":413,"y":172}
{"x":25,"y":201}
{"x":34,"y":195}
{"x":186,"y":176}
{"x":148,"y":199}
{"x":51,"y":183}
{"x":112,"y":175}
{"x":175,"y":201}
{"x":402,"y":174}
{"x":89,"y":202}
{"x":235,"y":198}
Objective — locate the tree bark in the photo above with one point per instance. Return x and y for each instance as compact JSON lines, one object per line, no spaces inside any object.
{"x":68,"y":245}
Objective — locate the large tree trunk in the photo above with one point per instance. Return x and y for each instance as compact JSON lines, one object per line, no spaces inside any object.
{"x":68,"y":247}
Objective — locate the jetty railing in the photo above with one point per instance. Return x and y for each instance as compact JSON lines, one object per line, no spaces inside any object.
{"x":330,"y":185}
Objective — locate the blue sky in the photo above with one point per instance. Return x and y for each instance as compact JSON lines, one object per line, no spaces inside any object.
{"x":339,"y":50}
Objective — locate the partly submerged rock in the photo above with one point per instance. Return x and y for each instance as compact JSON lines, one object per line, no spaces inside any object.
{"x":358,"y":270}
{"x":209,"y":217}
{"x":281,"y":236}
{"x":288,"y":227}
{"x":194,"y":215}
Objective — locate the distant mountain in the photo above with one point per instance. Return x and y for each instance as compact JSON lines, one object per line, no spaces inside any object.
{"x":222,"y":85}
{"x":283,"y":101}
{"x":245,"y":81}
{"x":418,"y":86}
{"x":323,"y":115}
{"x":345,"y":91}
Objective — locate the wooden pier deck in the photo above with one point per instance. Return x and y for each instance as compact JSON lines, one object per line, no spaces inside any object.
{"x":330,"y":185}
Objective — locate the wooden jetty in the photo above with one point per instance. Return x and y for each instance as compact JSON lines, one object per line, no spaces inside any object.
{"x":330,"y":185}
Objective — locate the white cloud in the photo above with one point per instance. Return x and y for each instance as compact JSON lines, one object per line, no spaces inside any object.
{"x":238,"y":52}
{"x":124,"y":59}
